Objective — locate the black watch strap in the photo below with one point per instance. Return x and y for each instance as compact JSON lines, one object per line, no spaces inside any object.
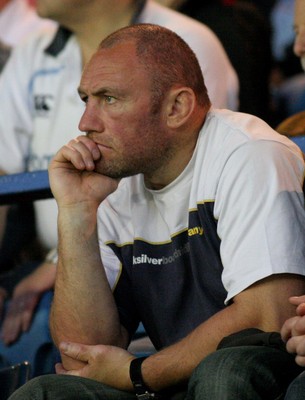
{"x":142,"y":391}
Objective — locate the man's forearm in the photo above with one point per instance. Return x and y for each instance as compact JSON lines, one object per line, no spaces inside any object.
{"x":83,"y":310}
{"x":175,"y":364}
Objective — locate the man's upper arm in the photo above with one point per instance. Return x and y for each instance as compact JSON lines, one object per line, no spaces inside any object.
{"x":266,"y":303}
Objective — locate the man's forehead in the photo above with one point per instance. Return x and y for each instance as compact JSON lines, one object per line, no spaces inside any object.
{"x":111,"y":68}
{"x":115,"y":57}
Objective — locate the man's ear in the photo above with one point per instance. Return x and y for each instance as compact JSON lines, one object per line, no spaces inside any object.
{"x":180,"y":105}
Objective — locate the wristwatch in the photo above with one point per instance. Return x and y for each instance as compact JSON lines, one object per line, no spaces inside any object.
{"x":142,"y":391}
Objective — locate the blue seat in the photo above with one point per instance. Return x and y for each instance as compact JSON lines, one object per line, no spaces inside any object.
{"x":35,"y":347}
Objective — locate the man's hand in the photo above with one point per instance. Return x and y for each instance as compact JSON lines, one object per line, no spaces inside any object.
{"x":293,"y":331}
{"x":298,"y":301}
{"x":72,"y":176}
{"x":24,"y":301}
{"x":106,"y":364}
{"x":19,"y":316}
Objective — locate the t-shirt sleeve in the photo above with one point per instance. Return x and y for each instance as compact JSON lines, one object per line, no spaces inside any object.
{"x":261,"y":217}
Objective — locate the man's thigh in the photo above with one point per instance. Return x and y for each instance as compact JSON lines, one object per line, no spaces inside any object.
{"x":66,"y":387}
{"x":245,"y":372}
{"x":296,"y":390}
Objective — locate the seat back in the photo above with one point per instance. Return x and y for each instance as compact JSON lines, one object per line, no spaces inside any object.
{"x":11,"y":378}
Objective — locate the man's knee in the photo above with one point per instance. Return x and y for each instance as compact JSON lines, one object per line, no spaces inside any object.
{"x":35,"y":388}
{"x":216,"y":371}
{"x":296,"y":389}
{"x":248,"y":372}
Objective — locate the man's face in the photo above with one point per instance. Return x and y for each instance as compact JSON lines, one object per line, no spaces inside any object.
{"x":299,"y":24}
{"x":119,"y":118}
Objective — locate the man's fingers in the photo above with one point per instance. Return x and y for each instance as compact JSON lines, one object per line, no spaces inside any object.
{"x":296,"y":300}
{"x":300,"y":360}
{"x":19,"y":316}
{"x":91,"y":145}
{"x":26,"y":319}
{"x":301,"y":309}
{"x":11,"y":328}
{"x":287,"y":328}
{"x":82,"y":153}
{"x":75,"y":350}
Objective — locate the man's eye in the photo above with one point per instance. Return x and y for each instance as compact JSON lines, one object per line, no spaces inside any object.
{"x":109,"y":99}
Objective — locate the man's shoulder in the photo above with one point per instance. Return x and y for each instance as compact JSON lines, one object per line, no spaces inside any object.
{"x":240,"y":123}
{"x":228,"y":131}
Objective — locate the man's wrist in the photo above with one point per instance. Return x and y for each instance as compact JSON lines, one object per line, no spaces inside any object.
{"x":142,"y":391}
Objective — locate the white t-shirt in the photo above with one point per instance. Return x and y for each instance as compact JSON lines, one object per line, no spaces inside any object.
{"x":18,"y":20}
{"x":40,"y":107}
{"x":235,"y":215}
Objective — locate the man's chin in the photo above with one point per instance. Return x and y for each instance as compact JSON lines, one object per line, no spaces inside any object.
{"x":113,"y":173}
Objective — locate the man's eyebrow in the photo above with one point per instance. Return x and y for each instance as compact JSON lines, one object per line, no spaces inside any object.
{"x":97,"y":92}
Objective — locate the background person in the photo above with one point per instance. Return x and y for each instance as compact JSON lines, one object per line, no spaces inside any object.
{"x":288,"y":80}
{"x":245,"y":32}
{"x":299,"y":26}
{"x":17,"y":20}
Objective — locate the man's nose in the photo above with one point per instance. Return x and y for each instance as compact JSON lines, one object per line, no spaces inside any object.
{"x":91,"y":121}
